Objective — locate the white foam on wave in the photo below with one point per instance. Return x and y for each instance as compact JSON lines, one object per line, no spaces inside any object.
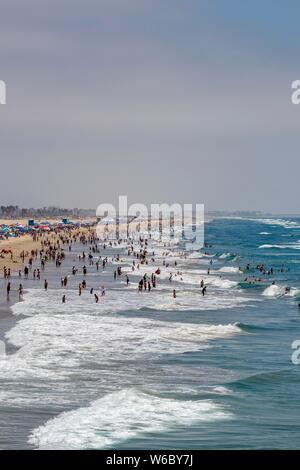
{"x":189,"y":276}
{"x":57,"y":339}
{"x":291,"y":246}
{"x":288,"y":224}
{"x":225,"y":255}
{"x":120,"y":300}
{"x":198,"y":255}
{"x":222,"y":390}
{"x":279,"y":291}
{"x":266,"y":245}
{"x":264,"y":233}
{"x":293,"y":292}
{"x":195,"y":301}
{"x":120,"y":416}
{"x":273,"y":291}
{"x":208,"y":332}
{"x":220,"y":282}
{"x":229,"y":269}
{"x":285,"y":223}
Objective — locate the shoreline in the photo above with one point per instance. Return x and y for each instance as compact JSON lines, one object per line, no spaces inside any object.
{"x":19,"y":244}
{"x":84,"y":340}
{"x":27,"y":243}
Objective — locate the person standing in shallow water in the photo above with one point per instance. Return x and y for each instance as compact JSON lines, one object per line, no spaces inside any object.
{"x":20,"y":292}
{"x":8,"y":287}
{"x":174,"y":294}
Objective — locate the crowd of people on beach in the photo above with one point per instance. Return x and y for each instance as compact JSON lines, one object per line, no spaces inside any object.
{"x":56,"y":246}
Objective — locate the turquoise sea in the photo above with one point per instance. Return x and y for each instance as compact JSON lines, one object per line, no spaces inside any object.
{"x":146,"y":371}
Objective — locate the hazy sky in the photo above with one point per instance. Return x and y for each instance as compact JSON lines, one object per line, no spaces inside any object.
{"x":164,"y":101}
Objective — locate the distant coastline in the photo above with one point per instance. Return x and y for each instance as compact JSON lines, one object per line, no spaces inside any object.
{"x":14,"y":212}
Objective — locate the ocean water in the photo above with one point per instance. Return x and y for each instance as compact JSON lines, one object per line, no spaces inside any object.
{"x":146,"y":371}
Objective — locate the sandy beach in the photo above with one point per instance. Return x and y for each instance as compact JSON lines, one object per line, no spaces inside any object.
{"x":17,"y":246}
{"x":26,"y":243}
{"x":11,"y":248}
